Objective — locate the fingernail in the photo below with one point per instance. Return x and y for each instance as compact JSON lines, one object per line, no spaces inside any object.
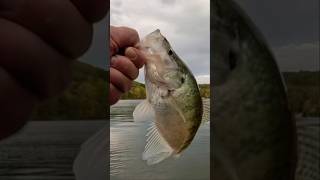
{"x":138,"y":46}
{"x":131,"y":53}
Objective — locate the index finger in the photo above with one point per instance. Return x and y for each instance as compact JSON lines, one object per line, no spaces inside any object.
{"x":122,"y":37}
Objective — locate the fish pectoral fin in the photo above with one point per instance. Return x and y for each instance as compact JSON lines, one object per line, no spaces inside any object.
{"x":176,"y":107}
{"x":206,"y":111}
{"x":156,"y":149}
{"x":143,"y":112}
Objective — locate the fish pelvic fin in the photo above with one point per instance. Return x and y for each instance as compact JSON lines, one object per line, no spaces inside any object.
{"x":156,"y":149}
{"x":143,"y":112}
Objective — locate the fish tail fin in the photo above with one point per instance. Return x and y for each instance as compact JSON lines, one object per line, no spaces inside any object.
{"x":156,"y":149}
{"x":308,"y":134}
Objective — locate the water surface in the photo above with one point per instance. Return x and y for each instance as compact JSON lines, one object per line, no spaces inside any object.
{"x":44,"y":150}
{"x":127,"y":140}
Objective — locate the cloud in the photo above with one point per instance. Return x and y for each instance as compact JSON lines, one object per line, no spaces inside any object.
{"x":285,"y":22}
{"x":291,"y":28}
{"x":186,"y":24}
{"x":168,"y":2}
{"x":97,"y":54}
{"x":203,"y":79}
{"x":294,"y":57}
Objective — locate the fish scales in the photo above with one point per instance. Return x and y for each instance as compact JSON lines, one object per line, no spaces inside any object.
{"x":173,"y":103}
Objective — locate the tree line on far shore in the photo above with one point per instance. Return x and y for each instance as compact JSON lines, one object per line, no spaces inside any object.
{"x":138,"y":91}
{"x":86,"y":98}
{"x":303,"y":92}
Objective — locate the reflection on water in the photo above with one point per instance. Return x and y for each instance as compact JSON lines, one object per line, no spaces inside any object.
{"x":127,"y":141}
{"x":44,"y":150}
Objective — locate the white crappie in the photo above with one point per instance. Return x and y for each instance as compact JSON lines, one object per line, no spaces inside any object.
{"x":173,"y":103}
{"x":253,"y":128}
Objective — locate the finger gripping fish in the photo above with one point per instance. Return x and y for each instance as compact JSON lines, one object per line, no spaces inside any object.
{"x":173,"y":103}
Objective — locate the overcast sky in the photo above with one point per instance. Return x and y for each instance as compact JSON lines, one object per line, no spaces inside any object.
{"x":97,"y":54}
{"x":184,"y":23}
{"x":291,"y":28}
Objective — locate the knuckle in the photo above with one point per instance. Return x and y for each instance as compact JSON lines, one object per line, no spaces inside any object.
{"x":136,"y":74}
{"x":132,"y":31}
{"x":128,"y":86}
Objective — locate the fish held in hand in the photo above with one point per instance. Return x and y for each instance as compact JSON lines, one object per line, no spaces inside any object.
{"x":173,"y":103}
{"x":253,"y":126}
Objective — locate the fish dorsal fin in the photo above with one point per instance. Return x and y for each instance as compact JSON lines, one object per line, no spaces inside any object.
{"x":206,"y":110}
{"x":156,"y":149}
{"x":143,"y":112}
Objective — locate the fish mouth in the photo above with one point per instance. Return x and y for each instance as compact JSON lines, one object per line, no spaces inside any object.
{"x":157,"y":31}
{"x":154,"y":34}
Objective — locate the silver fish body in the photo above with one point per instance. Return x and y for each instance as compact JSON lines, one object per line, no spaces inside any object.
{"x":173,"y":98}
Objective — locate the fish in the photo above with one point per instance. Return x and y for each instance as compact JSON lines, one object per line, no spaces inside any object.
{"x":173,"y":103}
{"x":255,"y":134}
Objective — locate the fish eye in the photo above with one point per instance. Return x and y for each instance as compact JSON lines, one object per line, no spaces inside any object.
{"x":182,"y":80}
{"x":170,"y":52}
{"x":232,"y":60}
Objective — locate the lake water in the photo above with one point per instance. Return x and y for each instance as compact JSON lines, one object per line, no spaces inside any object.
{"x":45,"y":150}
{"x":127,"y":140}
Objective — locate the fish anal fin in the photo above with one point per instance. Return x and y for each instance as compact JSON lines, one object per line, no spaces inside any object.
{"x":156,"y":149}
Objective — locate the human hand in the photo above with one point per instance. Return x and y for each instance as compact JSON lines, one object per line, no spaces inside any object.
{"x":39,"y":41}
{"x":124,"y":66}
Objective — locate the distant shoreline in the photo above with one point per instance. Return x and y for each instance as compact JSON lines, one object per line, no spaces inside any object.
{"x":87,"y":95}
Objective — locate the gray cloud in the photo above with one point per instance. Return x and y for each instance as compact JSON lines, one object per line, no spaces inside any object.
{"x":184,"y":23}
{"x":203,"y":79}
{"x":298,"y":57}
{"x":169,"y":2}
{"x":285,"y":22}
{"x":97,"y":53}
{"x":291,"y":28}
